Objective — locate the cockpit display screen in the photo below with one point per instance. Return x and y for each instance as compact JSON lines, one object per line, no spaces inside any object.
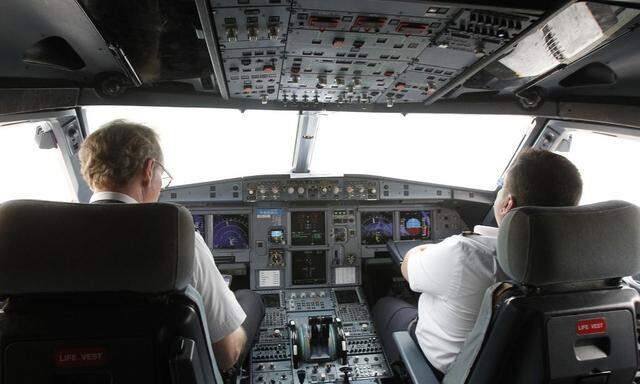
{"x":231,"y":231}
{"x":308,"y":267}
{"x":307,"y":228}
{"x":347,"y":296}
{"x":271,"y":300}
{"x":376,"y":227}
{"x":198,"y":221}
{"x":415,"y":225}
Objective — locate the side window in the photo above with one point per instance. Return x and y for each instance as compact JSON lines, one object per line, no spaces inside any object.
{"x":28,"y":172}
{"x":607,"y":164}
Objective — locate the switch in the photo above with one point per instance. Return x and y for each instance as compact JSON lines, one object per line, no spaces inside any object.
{"x":252,"y":33}
{"x":274,"y":32}
{"x":338,"y":42}
{"x":400,"y":86}
{"x":247,"y":88}
{"x":232,"y":34}
{"x":268,"y":68}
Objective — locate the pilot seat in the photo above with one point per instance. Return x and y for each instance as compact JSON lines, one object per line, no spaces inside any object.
{"x":100,"y":294}
{"x":565,"y":317}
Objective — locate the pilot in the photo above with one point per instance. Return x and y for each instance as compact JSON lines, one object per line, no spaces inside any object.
{"x":453,"y":275}
{"x":122,"y":162}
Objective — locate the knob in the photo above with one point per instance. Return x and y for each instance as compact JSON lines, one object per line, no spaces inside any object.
{"x":336,"y":190}
{"x":275,"y":189}
{"x":361,"y":190}
{"x":300,"y":190}
{"x":263,"y":191}
{"x":251,"y":191}
{"x":349,"y":189}
{"x":260,"y":367}
{"x":324,"y":190}
{"x":373,"y":190}
{"x":301,"y":375}
{"x":290,"y":190}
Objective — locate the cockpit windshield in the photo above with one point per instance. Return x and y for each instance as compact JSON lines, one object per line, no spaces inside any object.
{"x":214,"y":144}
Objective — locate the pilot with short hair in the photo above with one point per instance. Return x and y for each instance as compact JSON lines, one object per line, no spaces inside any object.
{"x":122,"y":162}
{"x":453,"y":275}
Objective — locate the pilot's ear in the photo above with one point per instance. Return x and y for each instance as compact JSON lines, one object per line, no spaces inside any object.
{"x":509,"y":204}
{"x":147,"y":172}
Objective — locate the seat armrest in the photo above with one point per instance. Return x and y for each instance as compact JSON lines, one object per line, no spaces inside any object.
{"x":414,"y":361}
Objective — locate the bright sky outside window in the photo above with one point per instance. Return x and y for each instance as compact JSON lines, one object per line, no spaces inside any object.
{"x":29,"y":172}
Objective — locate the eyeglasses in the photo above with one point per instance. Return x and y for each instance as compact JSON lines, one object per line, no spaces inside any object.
{"x":166,"y":176}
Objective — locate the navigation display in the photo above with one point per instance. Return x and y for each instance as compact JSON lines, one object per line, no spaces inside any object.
{"x":415,"y":225}
{"x":376,"y":227}
{"x":307,"y":228}
{"x":198,"y":221}
{"x":231,"y":231}
{"x":308,"y":267}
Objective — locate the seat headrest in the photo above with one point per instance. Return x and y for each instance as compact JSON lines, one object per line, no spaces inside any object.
{"x":556,"y":245}
{"x":51,"y":247}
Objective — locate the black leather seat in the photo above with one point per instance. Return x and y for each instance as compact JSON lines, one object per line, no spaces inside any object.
{"x":100,"y":294}
{"x":565,"y":317}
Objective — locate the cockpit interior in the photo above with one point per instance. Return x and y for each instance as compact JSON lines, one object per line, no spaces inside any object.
{"x":313,"y":145}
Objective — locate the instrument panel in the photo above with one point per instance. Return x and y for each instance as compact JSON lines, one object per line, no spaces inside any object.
{"x":355,"y":52}
{"x":306,"y":238}
{"x":291,"y":246}
{"x":303,"y":244}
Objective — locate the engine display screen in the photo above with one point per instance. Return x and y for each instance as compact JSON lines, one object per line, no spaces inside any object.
{"x":271,"y":300}
{"x":347,"y":296}
{"x":376,"y":227}
{"x":308,"y":267}
{"x":415,"y":225}
{"x":231,"y":231}
{"x":307,"y":228}
{"x":198,"y":221}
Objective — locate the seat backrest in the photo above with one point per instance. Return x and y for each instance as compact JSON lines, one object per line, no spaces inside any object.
{"x":100,"y":294}
{"x":565,"y":317}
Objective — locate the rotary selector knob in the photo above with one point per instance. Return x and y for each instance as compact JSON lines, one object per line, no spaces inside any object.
{"x":300,"y":190}
{"x":349,"y":189}
{"x":275,"y":189}
{"x":290,"y":190}
{"x":263,"y":191}
{"x":251,"y":191}
{"x":336,"y":190}
{"x":324,"y":190}
{"x":361,"y":190}
{"x":373,"y":190}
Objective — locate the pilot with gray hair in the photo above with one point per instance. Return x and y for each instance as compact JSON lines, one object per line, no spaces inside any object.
{"x":122,"y":162}
{"x":453,"y":275}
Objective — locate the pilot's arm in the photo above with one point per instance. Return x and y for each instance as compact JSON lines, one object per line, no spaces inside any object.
{"x":223,"y":312}
{"x":431,"y":268}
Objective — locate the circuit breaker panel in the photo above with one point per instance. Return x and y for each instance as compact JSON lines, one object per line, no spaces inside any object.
{"x":353,"y":51}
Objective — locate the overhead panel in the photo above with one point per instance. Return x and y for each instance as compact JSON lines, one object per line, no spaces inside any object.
{"x":353,"y":51}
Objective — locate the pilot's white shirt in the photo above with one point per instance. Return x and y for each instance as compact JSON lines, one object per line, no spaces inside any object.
{"x":223,"y":312}
{"x":452,"y":277}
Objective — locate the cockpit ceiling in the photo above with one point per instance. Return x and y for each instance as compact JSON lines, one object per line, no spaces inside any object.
{"x":317,"y":52}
